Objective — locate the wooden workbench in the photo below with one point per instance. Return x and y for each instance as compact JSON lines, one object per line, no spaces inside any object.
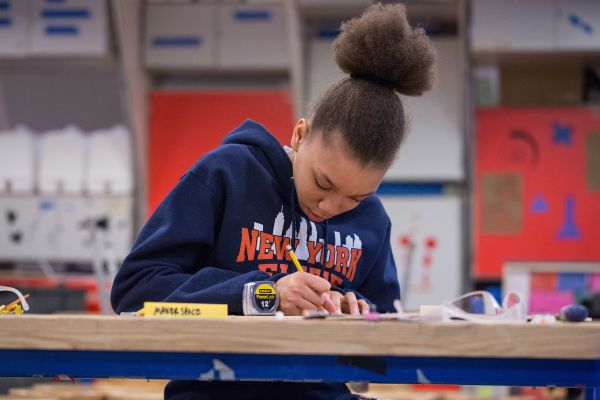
{"x":248,"y":348}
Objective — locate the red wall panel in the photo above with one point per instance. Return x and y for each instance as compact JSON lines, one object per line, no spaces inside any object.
{"x":184,"y":125}
{"x":543,"y":201}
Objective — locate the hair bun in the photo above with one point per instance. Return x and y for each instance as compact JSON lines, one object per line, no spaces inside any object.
{"x":381,"y":46}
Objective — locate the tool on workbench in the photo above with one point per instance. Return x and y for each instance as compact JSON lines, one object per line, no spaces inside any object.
{"x":17,"y":306}
{"x":573,"y":313}
{"x":260,"y":298}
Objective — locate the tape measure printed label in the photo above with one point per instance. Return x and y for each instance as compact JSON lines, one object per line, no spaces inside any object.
{"x":260,"y":298}
{"x":264,"y":297}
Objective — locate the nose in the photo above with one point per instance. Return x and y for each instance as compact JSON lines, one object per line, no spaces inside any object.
{"x":334,"y":204}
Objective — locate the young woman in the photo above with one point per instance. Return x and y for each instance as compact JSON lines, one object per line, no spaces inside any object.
{"x":228,"y":220}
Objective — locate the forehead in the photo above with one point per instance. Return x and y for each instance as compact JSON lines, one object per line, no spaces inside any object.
{"x":332,"y":158}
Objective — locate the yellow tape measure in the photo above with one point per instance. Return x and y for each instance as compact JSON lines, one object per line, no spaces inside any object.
{"x":260,"y":298}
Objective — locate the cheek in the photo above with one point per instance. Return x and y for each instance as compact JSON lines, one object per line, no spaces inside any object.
{"x":307,"y":192}
{"x":303,"y":185}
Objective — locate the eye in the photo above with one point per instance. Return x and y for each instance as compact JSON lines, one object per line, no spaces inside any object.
{"x":321,"y":186}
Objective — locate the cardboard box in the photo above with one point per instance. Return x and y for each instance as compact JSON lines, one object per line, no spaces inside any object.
{"x":513,"y":25}
{"x":558,"y":85}
{"x":253,"y":36}
{"x":14,"y":25}
{"x":180,"y":36}
{"x":69,"y":27}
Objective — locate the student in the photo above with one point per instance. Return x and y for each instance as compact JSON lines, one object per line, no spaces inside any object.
{"x":229,"y":218}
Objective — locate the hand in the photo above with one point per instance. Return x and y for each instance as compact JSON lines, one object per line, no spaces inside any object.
{"x":348,"y":304}
{"x":302,"y":291}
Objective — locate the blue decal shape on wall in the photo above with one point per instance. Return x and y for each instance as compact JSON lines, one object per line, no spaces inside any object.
{"x":569,"y":230}
{"x":579,"y":23}
{"x":539,"y":205}
{"x":562,"y":134}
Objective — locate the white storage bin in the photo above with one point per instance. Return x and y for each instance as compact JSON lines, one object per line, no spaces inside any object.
{"x":110,"y":166}
{"x":17,"y":161}
{"x":62,"y":161}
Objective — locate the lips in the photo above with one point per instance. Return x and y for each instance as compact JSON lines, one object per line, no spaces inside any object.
{"x":314,"y":217}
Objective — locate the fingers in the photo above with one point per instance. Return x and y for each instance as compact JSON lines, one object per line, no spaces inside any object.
{"x":336,"y":299}
{"x":363,"y":306}
{"x":305,"y":305}
{"x":330,"y":305}
{"x":296,"y":307}
{"x":306,"y":292}
{"x":299,"y":290}
{"x":316,"y":283}
{"x":350,"y":304}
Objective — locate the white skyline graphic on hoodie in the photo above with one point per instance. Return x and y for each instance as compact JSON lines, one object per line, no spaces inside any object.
{"x":352,"y":241}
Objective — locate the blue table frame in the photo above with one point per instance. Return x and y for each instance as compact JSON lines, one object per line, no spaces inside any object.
{"x":80,"y":362}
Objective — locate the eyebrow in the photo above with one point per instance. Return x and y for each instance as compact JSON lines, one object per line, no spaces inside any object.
{"x":324,"y":176}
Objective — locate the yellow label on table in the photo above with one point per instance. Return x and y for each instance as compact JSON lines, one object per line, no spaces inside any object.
{"x":184,"y":310}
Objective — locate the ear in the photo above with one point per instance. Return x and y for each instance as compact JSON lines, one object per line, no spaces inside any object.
{"x":299,"y":134}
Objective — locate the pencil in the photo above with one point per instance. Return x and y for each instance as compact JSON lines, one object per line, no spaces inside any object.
{"x":17,"y":301}
{"x":294,"y":258}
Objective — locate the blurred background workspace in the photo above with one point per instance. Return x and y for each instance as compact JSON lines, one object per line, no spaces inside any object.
{"x":104,"y":104}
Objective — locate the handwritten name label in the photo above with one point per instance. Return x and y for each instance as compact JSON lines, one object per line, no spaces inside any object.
{"x":185,"y":310}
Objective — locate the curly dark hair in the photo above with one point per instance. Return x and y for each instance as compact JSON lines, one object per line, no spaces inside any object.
{"x":383,"y":55}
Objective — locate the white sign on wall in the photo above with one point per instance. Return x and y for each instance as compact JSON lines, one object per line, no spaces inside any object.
{"x":426,"y":243}
{"x":433,"y":148}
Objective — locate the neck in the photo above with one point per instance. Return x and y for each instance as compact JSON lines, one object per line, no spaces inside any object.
{"x":292,"y":155}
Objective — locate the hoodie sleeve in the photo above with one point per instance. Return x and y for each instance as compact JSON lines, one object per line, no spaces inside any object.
{"x":167,"y":259}
{"x":381,"y":286}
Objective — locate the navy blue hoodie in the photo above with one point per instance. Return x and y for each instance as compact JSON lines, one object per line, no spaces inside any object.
{"x":227,"y":223}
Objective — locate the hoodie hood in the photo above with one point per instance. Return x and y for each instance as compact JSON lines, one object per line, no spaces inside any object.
{"x":267,"y":149}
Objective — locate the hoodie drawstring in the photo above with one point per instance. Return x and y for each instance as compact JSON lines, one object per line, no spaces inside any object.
{"x":293,"y":205}
{"x":324,"y":248}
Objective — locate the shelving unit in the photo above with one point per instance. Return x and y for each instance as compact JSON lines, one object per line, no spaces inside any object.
{"x":59,"y":68}
{"x":133,"y":81}
{"x":538,"y":66}
{"x":309,"y":29}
